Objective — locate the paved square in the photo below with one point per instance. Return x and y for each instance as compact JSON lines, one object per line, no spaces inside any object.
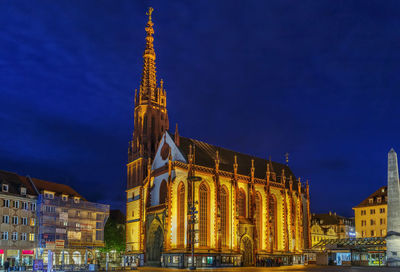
{"x":297,"y":268}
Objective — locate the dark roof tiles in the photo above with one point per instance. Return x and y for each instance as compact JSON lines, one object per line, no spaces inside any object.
{"x":330,"y":219}
{"x":380,"y":193}
{"x":54,"y":187}
{"x":15,"y":182}
{"x":205,"y":155}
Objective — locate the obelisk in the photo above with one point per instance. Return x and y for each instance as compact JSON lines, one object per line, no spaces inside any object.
{"x":393,"y":216}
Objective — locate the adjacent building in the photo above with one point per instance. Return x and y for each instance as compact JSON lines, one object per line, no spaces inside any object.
{"x":68,"y":225}
{"x":371,"y":215}
{"x":331,"y":226}
{"x":38,"y":216}
{"x":18,"y":228}
{"x":247,"y":208}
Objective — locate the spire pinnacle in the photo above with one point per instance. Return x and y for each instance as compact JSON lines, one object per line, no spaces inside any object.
{"x":177,"y":139}
{"x":149,"y":13}
{"x":149,"y":80}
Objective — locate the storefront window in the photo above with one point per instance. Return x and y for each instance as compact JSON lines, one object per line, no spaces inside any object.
{"x":376,"y":259}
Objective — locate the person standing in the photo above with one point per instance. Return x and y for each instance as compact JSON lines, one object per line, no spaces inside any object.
{"x":6,"y":265}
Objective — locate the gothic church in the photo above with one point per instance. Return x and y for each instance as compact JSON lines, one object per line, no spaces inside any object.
{"x":249,"y":209}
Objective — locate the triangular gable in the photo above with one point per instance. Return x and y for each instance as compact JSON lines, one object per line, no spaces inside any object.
{"x":165,"y":146}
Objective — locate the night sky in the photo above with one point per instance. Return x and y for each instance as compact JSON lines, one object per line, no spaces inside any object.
{"x":318,"y":79}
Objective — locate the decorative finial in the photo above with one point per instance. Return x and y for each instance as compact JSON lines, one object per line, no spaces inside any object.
{"x":177,"y":138}
{"x":150,"y":12}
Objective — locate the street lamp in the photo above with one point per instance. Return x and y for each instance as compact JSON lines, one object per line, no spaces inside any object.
{"x":193,"y":218}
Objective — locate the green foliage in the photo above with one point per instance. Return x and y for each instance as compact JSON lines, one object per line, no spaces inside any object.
{"x":114,"y":236}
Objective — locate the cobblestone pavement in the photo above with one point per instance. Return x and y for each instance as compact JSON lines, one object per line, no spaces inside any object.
{"x":297,"y":268}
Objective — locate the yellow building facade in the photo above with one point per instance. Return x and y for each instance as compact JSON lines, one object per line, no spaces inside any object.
{"x":325,"y":226}
{"x":319,"y":233}
{"x":247,"y":208}
{"x":371,"y":215}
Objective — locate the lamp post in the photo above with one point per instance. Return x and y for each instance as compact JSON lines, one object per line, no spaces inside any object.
{"x":193,"y":219}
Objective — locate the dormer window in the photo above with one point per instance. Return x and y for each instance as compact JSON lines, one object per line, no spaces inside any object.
{"x":76,"y":199}
{"x":49,"y":195}
{"x":23,"y":191}
{"x":4,"y":187}
{"x":371,"y":201}
{"x":64,"y":197}
{"x":383,"y":190}
{"x":379,"y":200}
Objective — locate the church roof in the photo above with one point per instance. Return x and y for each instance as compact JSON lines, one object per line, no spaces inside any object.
{"x":205,"y":155}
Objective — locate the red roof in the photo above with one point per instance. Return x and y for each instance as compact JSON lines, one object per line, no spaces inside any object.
{"x":380,"y":193}
{"x":15,"y":181}
{"x":58,"y":188}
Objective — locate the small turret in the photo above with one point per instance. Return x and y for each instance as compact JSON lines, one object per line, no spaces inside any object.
{"x":235,"y":166}
{"x":177,"y":139}
{"x":216,"y":160}
{"x":252,"y":170}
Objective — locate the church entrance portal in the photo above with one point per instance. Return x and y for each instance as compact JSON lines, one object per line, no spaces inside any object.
{"x":246,"y":248}
{"x":154,"y":244}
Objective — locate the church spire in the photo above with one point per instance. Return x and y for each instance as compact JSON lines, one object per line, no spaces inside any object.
{"x":149,"y":81}
{"x":150,"y":122}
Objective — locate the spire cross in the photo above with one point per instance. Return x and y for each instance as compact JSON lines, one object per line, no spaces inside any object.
{"x":150,"y":12}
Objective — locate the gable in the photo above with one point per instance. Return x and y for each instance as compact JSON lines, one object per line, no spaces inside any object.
{"x":166,"y":146}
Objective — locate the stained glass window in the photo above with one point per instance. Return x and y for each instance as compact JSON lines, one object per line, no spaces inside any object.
{"x":242,"y":203}
{"x":258,"y":218}
{"x":203,"y":210}
{"x":224,"y":217}
{"x":181,"y":215}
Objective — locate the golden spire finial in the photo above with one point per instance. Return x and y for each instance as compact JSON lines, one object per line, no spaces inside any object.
{"x":150,"y":12}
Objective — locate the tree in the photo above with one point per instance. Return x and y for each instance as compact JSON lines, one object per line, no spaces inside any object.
{"x":114,"y":232}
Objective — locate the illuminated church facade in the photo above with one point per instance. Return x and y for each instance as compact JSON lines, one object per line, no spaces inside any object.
{"x":248,"y":209}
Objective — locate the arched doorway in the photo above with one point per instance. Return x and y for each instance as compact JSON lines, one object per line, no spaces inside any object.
{"x":154,"y":244}
{"x":246,"y":248}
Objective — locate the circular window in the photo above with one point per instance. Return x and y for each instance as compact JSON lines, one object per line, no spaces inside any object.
{"x":165,"y":151}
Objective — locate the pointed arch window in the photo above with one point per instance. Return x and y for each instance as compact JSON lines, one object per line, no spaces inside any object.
{"x":294,"y":220}
{"x":272,"y":223}
{"x":144,"y":124}
{"x":258,"y":218}
{"x":242,"y":203}
{"x":203,"y":215}
{"x":224,"y":216}
{"x":181,"y":215}
{"x":163,"y":192}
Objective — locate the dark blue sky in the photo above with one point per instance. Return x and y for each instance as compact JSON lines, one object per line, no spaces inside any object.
{"x":318,"y":79}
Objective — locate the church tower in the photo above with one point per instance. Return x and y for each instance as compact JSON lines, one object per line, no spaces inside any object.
{"x":150,"y":114}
